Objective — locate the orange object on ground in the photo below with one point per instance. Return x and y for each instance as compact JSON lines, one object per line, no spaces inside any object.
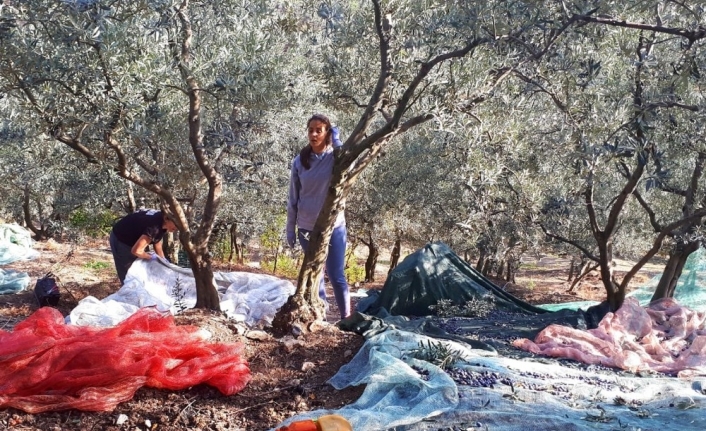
{"x":47,"y":365}
{"x":324,"y":423}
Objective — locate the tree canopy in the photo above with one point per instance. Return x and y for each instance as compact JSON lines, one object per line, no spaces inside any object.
{"x":492,"y":126}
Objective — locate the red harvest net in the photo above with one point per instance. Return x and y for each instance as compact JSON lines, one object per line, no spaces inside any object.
{"x":46,"y":364}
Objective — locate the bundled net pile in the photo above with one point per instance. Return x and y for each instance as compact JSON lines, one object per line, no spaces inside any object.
{"x":48,"y":365}
{"x":664,"y":337}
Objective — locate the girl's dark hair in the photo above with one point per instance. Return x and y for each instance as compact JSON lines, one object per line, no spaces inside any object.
{"x":305,"y":153}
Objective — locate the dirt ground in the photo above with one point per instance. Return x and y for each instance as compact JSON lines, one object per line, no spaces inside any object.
{"x":284,"y":382}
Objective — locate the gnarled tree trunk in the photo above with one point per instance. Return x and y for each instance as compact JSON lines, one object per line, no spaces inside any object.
{"x":207,"y":295}
{"x":395,"y":255}
{"x":673,"y":270}
{"x":40,"y":233}
{"x":615,"y":295}
{"x":235,"y":250}
{"x":371,"y":261}
{"x":171,"y":247}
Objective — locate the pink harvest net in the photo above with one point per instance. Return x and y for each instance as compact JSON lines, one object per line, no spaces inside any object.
{"x":47,"y":365}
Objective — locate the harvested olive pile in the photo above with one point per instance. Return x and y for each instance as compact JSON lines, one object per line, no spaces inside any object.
{"x":485,"y":379}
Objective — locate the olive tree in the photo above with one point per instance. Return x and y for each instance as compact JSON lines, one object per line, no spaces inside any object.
{"x":617,"y":96}
{"x":43,"y":185}
{"x":431,"y":58}
{"x":160,"y":92}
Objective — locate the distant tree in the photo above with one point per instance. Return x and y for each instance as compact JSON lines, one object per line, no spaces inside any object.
{"x":392,"y":202}
{"x":42,"y":186}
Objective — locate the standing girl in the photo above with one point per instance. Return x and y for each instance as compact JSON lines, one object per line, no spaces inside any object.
{"x":309,"y":184}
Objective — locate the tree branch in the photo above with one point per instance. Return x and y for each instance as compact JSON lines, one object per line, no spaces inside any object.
{"x":352,"y":99}
{"x":634,"y":178}
{"x":382,"y":82}
{"x":590,"y":206}
{"x":541,"y":88}
{"x":554,"y":35}
{"x":147,"y":168}
{"x":74,"y":142}
{"x":360,"y":163}
{"x":646,"y":206}
{"x":691,"y":35}
{"x":583,"y":249}
{"x":696,"y":174}
{"x":657,"y":244}
{"x":670,"y":189}
{"x":54,"y":129}
{"x":183,"y":57}
{"x":670,"y":104}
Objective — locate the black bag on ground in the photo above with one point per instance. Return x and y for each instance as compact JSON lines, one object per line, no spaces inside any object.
{"x":47,"y":290}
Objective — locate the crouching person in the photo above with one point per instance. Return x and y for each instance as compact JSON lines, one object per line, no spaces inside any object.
{"x":132,"y":234}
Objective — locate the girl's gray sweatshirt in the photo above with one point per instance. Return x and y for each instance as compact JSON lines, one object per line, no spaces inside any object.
{"x":307,"y":191}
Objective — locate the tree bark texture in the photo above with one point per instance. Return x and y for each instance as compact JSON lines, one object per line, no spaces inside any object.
{"x":371,"y":261}
{"x":395,"y":255}
{"x":171,"y":247}
{"x":305,"y":305}
{"x":40,"y":234}
{"x":614,"y":294}
{"x":673,"y":270}
{"x":237,"y":249}
{"x":206,"y":293}
{"x":130,"y":204}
